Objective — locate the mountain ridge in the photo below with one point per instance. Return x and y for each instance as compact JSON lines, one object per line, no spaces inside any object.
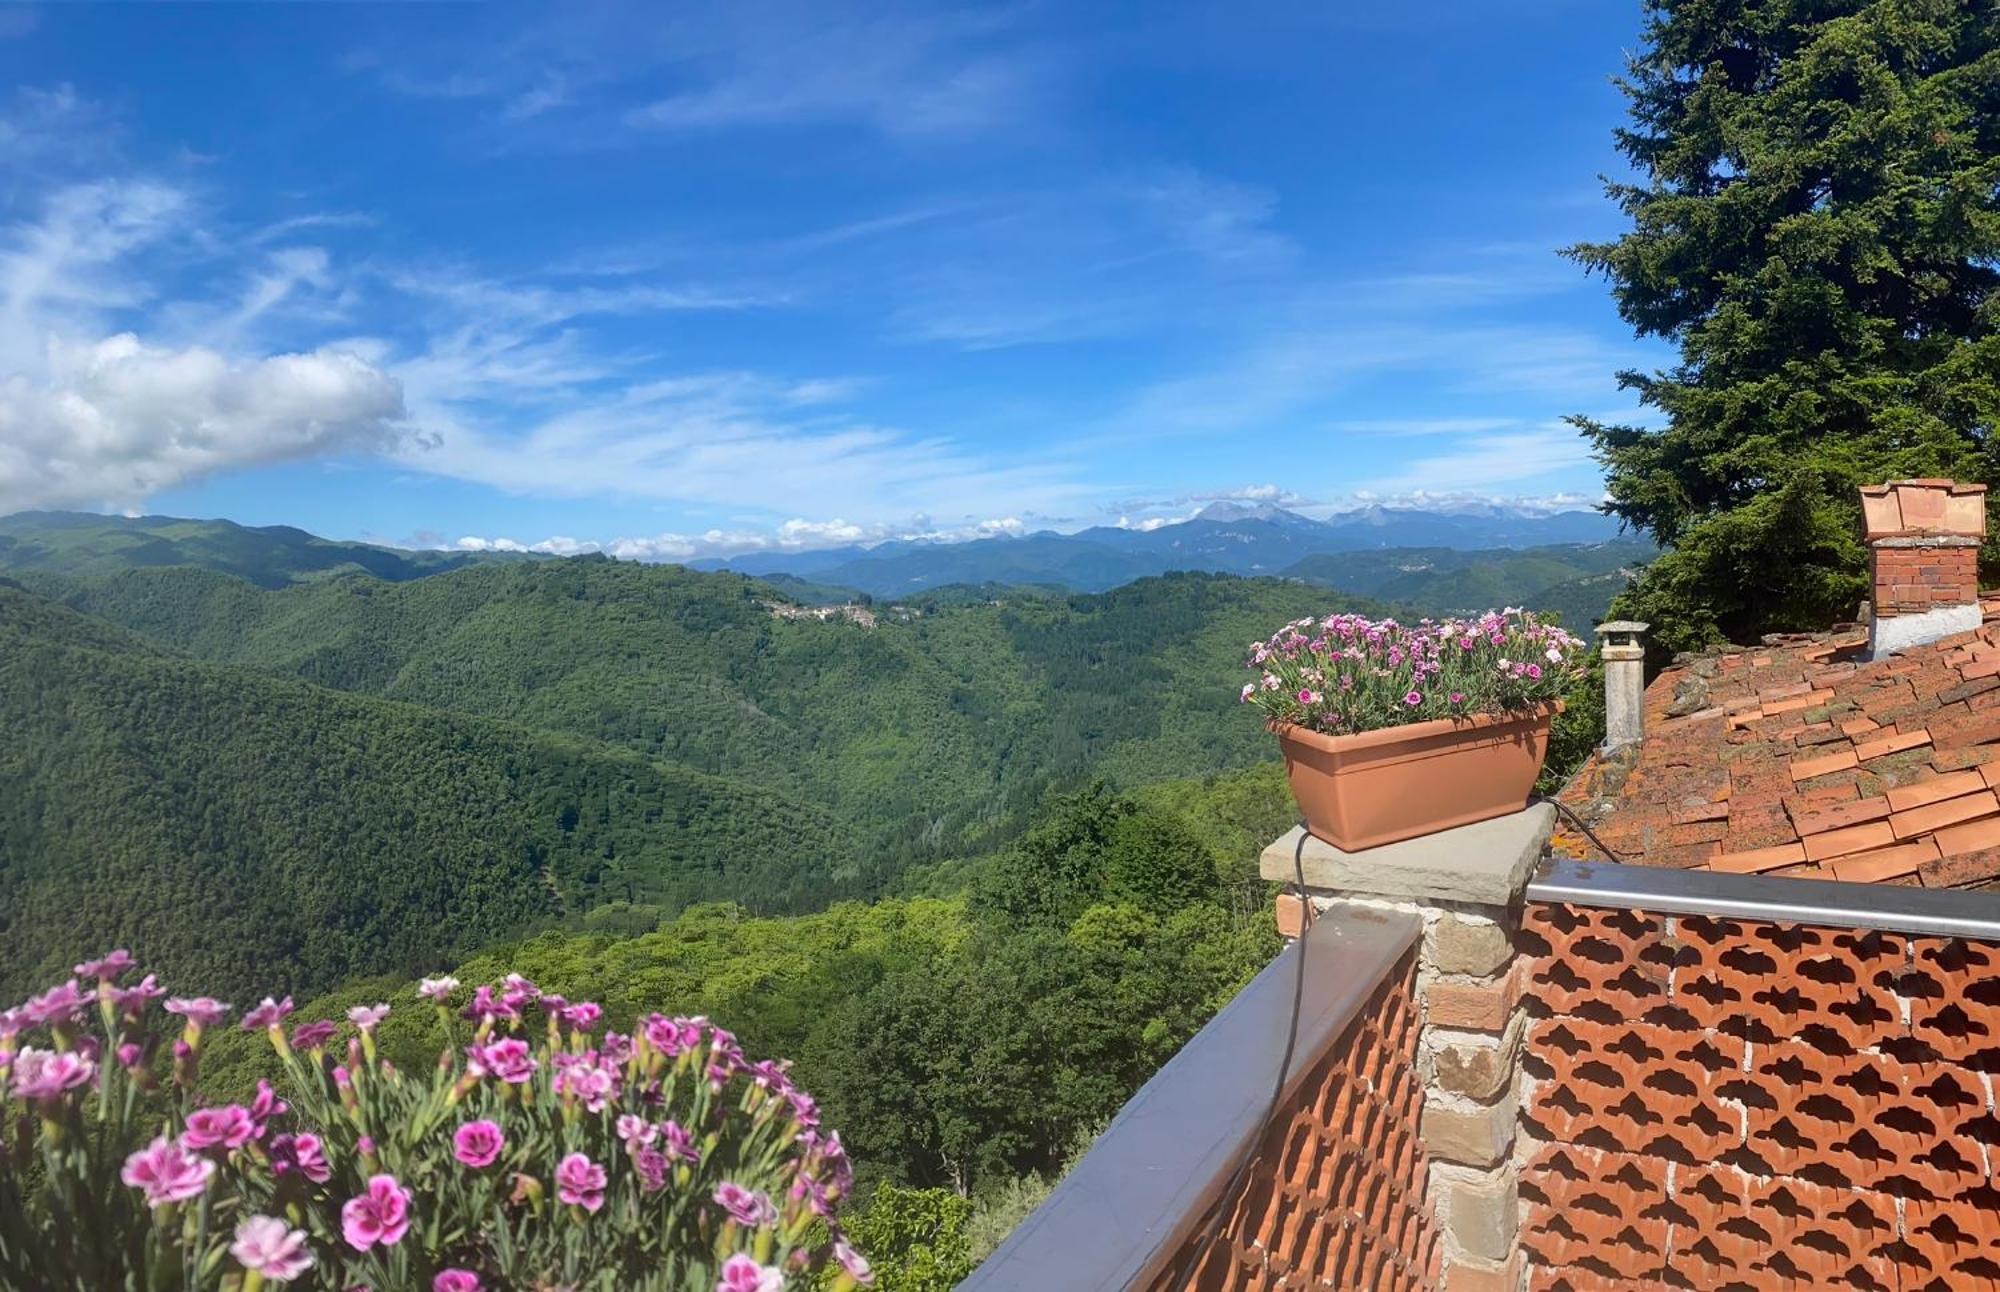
{"x":1247,"y":539}
{"x":86,"y":543}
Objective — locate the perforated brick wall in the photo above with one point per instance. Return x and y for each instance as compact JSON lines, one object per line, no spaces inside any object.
{"x":1335,"y":1195}
{"x":1725,"y":1104}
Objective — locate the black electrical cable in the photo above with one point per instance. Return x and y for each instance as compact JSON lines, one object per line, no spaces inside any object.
{"x":1577,"y":821}
{"x":1249,"y":1154}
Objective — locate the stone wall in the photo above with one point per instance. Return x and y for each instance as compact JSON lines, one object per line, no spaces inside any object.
{"x":1465,"y":884}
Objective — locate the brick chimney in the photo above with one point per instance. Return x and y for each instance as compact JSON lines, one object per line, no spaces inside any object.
{"x":1923,"y":540}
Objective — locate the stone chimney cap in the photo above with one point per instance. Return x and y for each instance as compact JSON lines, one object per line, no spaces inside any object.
{"x":1923,"y":509}
{"x":1929,"y":482}
{"x":1621,"y":627}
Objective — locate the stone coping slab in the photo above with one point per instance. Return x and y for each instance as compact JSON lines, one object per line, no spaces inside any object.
{"x":1487,"y":862}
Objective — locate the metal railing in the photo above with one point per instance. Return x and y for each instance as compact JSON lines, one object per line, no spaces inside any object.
{"x":1891,"y":908}
{"x":1125,"y":1211}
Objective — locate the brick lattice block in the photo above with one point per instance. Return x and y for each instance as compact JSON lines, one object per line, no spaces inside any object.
{"x":1820,"y":1094}
{"x":1335,"y":1195}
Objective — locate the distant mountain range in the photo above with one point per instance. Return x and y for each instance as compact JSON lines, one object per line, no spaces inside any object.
{"x":1431,"y":562}
{"x":1224,"y":538}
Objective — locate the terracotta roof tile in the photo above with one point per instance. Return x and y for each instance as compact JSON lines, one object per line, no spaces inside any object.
{"x":1696,"y":832}
{"x":1759,"y":859}
{"x":1970,"y":837}
{"x":1694,"y":812}
{"x":1896,"y":744}
{"x":1936,"y":790}
{"x":1803,"y":760}
{"x":1966,"y":690}
{"x":1885,"y":863}
{"x":1958,"y":871}
{"x":1810,"y":821}
{"x":1806,"y":701}
{"x":1804,"y":769}
{"x":1936,"y":816}
{"x":1953,"y":760}
{"x":1681,"y":856}
{"x":1839,"y":787}
{"x":1855,"y":838}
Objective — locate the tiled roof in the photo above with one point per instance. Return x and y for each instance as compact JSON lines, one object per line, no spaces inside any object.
{"x":1800,"y":758}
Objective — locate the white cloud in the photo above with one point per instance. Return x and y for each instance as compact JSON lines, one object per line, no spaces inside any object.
{"x":616,"y":73}
{"x":91,"y":414}
{"x":535,"y":304}
{"x":1148,"y":524}
{"x":1150,"y":513}
{"x":38,"y":125}
{"x":794,"y":535}
{"x":112,"y":422}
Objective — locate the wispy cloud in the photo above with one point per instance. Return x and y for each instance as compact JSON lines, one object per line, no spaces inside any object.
{"x":1481,"y":462}
{"x":907,"y":74}
{"x":639,"y":72}
{"x":1119,"y":254}
{"x":1406,"y":427}
{"x":278,"y":230}
{"x":726,"y":440}
{"x":143,"y":345}
{"x":550,"y":93}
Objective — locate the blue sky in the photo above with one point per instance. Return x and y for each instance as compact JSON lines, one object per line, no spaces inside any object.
{"x":679,"y":280}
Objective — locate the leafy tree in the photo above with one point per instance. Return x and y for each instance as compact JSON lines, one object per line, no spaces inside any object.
{"x":1056,"y":868}
{"x":1154,"y":861}
{"x":917,"y":1239}
{"x":1815,"y":225}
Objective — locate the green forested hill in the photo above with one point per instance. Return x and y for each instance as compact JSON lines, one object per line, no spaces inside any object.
{"x":953,"y":1041}
{"x":67,"y":542}
{"x":924,"y":734}
{"x":291,"y":786}
{"x":247,"y":830}
{"x":1578,"y":579}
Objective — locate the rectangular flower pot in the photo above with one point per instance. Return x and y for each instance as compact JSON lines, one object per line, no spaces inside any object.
{"x":1377,"y":787}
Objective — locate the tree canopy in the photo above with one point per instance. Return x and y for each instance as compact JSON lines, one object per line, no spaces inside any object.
{"x":1814,"y":224}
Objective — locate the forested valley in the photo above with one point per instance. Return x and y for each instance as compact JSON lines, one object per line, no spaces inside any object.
{"x":978,"y":865}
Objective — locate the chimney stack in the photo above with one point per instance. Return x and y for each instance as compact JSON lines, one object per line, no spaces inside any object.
{"x":1923,"y":541}
{"x":1624,"y":657}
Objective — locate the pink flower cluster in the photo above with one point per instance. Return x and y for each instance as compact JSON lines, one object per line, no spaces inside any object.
{"x":694,"y":1119}
{"x":1345,"y":673}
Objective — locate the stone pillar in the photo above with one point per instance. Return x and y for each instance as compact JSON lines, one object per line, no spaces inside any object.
{"x":1923,"y":560}
{"x":1624,"y":658}
{"x":1466,"y":885}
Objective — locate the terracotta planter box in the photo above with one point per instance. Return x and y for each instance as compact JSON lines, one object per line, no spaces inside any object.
{"x":1377,"y":787}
